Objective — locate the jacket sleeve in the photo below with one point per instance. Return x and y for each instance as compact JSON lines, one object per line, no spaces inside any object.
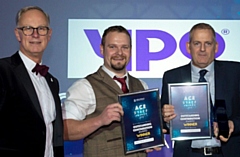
{"x":2,"y":91}
{"x":164,"y":98}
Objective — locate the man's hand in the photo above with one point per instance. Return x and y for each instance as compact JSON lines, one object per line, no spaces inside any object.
{"x":168,"y":113}
{"x":152,"y":149}
{"x":155,"y":148}
{"x":216,"y":130}
{"x":112,"y":112}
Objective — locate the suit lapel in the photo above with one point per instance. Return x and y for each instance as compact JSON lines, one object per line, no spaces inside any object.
{"x":186,"y":73}
{"x":23,"y":76}
{"x":109,"y":81}
{"x":54,"y":90}
{"x":219,"y":79}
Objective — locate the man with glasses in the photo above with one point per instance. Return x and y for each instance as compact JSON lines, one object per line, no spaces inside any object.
{"x":30,"y":110}
{"x":28,"y":30}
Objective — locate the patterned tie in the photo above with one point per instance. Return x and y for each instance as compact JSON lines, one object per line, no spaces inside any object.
{"x":202,"y":74}
{"x":41,"y":69}
{"x":123,"y":83}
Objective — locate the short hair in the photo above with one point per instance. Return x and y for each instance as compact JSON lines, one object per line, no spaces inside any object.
{"x":119,"y":29}
{"x":202,"y":26}
{"x":25,"y":9}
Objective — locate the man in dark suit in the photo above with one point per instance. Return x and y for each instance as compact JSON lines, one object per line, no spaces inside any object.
{"x":224,"y":80}
{"x":30,"y":109}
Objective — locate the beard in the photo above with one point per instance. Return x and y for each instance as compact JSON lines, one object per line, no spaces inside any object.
{"x":118,"y":66}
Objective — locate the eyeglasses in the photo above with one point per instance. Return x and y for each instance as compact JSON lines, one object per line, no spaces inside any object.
{"x":28,"y":30}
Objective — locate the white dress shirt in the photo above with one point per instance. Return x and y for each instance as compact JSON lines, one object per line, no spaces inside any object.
{"x":46,"y":102}
{"x":213,"y":142}
{"x":81,"y":100}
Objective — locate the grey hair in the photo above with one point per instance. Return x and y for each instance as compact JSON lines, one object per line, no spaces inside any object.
{"x":25,"y":9}
{"x":202,"y":26}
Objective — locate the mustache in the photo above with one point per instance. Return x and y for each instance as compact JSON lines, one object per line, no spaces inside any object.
{"x":118,"y":57}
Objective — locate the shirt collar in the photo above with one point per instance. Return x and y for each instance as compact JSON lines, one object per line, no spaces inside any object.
{"x":209,"y":68}
{"x":29,"y":64}
{"x":112,"y":74}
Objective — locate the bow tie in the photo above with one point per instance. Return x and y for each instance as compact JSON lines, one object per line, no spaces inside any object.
{"x":41,"y":69}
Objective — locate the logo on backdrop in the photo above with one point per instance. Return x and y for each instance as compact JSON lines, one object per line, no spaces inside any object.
{"x":158,"y":45}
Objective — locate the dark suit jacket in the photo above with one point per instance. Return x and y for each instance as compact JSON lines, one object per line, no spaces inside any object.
{"x":227,"y":87}
{"x":22,"y":127}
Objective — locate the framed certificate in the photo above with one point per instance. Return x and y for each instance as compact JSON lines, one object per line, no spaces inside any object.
{"x":141,"y":122}
{"x":192,"y":106}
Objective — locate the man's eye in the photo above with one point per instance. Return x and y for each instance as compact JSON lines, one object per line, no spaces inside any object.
{"x":196,"y":44}
{"x":42,"y":28}
{"x":125,"y":47}
{"x":28,"y":28}
{"x":208,"y":44}
{"x":111,"y":46}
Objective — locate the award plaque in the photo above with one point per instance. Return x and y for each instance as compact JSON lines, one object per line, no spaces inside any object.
{"x":192,"y":106}
{"x":141,"y":122}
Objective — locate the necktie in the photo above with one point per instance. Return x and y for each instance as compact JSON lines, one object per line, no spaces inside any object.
{"x":41,"y":69}
{"x":202,"y":79}
{"x":202,"y":74}
{"x":123,"y":83}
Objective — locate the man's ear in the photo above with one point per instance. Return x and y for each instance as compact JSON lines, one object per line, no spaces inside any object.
{"x":188,"y":47}
{"x":17,"y":34}
{"x":49,"y":34}
{"x":216,"y":47}
{"x":101,"y":49}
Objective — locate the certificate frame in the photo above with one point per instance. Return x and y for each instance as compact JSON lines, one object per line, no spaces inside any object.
{"x":141,"y":122}
{"x":192,"y":106}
